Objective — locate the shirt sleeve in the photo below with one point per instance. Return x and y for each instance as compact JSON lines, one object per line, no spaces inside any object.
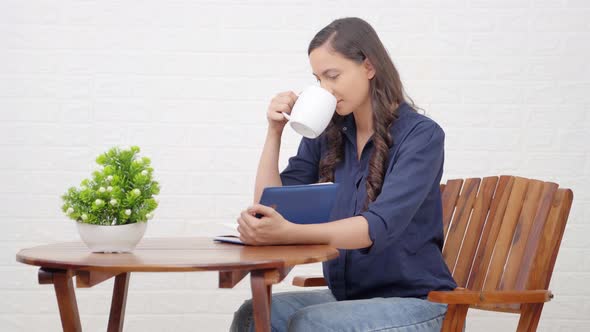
{"x":303,"y":168}
{"x":409,"y":181}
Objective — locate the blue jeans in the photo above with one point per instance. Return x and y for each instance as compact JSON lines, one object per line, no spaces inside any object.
{"x":318,"y":310}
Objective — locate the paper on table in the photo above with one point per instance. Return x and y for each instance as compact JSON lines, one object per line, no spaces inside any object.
{"x":229,"y":239}
{"x":232,"y":237}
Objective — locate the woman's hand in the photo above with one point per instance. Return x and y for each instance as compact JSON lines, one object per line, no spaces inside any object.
{"x":281,"y":103}
{"x":271,"y":229}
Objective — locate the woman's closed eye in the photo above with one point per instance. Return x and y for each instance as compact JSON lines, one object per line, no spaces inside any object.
{"x":331,"y":78}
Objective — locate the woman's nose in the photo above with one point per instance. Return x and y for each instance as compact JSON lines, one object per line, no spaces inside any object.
{"x":327,"y":87}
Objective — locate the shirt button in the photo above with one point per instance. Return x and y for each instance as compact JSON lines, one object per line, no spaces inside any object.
{"x":344,"y":128}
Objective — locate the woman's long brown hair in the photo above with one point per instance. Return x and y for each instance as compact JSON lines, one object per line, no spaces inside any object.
{"x":356,"y":40}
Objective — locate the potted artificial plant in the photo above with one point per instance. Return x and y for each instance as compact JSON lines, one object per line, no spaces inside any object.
{"x":112,"y":208}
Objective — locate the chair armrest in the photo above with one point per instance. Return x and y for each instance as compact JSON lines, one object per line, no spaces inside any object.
{"x":463,"y":296}
{"x":309,"y":281}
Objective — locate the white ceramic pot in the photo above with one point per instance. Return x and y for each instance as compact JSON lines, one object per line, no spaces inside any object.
{"x":117,"y":238}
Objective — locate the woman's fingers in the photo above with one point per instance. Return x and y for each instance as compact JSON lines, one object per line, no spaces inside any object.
{"x":281,"y":103}
{"x":288,"y":99}
{"x":245,"y":229}
{"x":250,"y":220}
{"x":264,"y":210}
{"x":293,"y":97}
{"x":258,"y":231}
{"x":275,"y":113}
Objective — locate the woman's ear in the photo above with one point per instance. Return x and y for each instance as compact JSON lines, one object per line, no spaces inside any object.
{"x":369,"y":69}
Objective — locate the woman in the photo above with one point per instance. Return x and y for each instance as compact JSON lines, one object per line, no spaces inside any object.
{"x":387,"y":219}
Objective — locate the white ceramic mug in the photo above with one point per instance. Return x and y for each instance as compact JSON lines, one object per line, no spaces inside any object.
{"x":312,"y":111}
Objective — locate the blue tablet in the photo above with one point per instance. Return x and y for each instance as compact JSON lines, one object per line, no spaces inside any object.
{"x":302,"y":204}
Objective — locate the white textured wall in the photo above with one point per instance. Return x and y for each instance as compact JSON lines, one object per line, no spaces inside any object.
{"x":189,"y":82}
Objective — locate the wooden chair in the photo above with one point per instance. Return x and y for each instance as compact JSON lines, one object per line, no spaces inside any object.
{"x":502,"y":238}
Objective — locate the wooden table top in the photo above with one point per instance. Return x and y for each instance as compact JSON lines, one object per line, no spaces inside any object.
{"x":175,"y":254}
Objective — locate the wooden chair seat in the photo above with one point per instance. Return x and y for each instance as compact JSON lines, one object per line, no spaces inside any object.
{"x":502,"y":236}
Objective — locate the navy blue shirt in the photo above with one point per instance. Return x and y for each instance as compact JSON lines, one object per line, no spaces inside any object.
{"x":405,"y":220}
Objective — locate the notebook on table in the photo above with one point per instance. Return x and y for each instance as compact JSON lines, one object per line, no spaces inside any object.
{"x":300,"y":204}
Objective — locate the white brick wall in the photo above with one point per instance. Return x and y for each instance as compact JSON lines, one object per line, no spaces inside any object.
{"x":189,"y":82}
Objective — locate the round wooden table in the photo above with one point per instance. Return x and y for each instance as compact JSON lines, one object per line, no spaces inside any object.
{"x":267,"y":265}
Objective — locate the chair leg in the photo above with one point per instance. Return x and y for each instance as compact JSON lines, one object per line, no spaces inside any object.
{"x":529,"y":317}
{"x":66,"y":299}
{"x":118,"y":303}
{"x":455,"y":318}
{"x":261,"y":297}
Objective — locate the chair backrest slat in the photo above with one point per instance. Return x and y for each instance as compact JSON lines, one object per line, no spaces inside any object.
{"x":449,"y":198}
{"x":548,"y":247}
{"x":474,"y":229}
{"x":535,"y":232}
{"x":456,"y":231}
{"x":504,"y":240}
{"x":521,"y":234}
{"x":490,"y":233}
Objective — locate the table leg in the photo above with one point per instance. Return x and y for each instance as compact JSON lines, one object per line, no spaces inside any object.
{"x":261,"y":299}
{"x":118,"y":303}
{"x":66,"y":299}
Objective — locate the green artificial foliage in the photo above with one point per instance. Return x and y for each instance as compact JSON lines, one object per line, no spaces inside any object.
{"x":120,"y":193}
